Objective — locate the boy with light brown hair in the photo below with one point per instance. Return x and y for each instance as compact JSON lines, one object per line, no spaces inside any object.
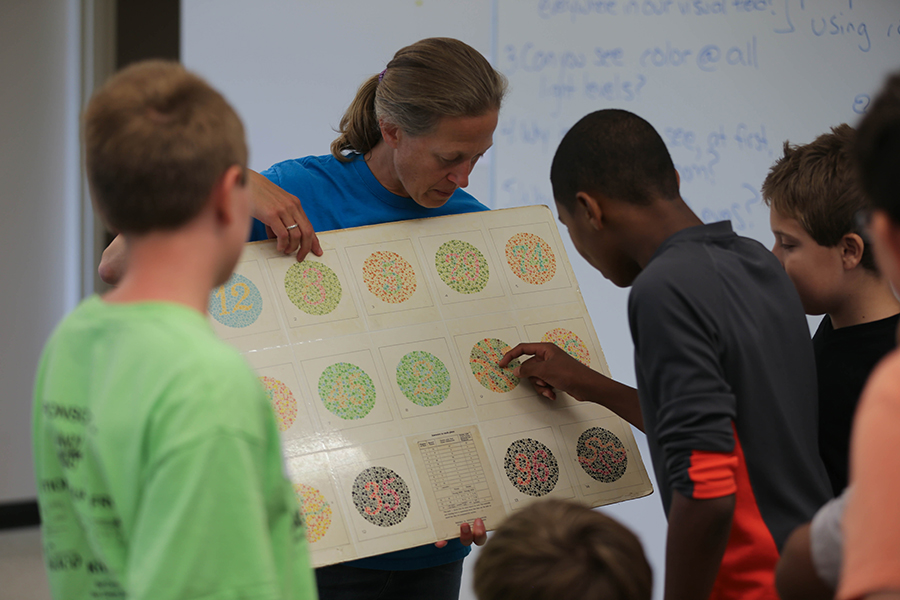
{"x":561,"y":550}
{"x":157,"y":455}
{"x":814,"y":197}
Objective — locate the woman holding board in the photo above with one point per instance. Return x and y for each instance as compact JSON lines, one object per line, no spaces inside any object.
{"x":407,"y":144}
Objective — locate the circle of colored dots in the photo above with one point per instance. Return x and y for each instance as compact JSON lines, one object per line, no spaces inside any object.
{"x":389,"y":277}
{"x":313,"y":287}
{"x":315,"y":510}
{"x":462,"y":266}
{"x":347,"y":391}
{"x":484,"y":359}
{"x":381,"y":496}
{"x":569,"y":342}
{"x":602,"y":455}
{"x":282,"y":400}
{"x":423,"y":378}
{"x":531,"y":467}
{"x":237,"y":303}
{"x":530,"y":258}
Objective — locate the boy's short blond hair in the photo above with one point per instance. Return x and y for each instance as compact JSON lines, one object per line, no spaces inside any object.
{"x":817,"y":184}
{"x":157,"y":139}
{"x":560,"y":550}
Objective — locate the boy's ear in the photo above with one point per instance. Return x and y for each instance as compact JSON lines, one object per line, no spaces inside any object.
{"x":589,"y":207}
{"x":224,"y":199}
{"x":390,"y":133}
{"x":852,"y":247}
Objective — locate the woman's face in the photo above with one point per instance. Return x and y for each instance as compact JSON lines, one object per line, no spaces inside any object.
{"x":429,"y":168}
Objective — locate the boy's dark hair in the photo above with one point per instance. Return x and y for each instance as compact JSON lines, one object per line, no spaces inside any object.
{"x":157,"y":139}
{"x":617,"y":154}
{"x":878,"y":149}
{"x":817,"y":185}
{"x":560,"y":550}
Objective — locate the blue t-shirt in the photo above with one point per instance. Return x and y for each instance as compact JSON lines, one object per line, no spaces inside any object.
{"x":338,"y":195}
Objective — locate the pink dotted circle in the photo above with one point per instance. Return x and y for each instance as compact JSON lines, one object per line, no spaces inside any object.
{"x":283,"y":402}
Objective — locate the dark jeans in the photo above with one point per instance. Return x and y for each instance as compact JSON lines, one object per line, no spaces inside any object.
{"x":340,"y":582}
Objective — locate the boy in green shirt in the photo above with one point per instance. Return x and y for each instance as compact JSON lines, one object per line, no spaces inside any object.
{"x":157,"y":455}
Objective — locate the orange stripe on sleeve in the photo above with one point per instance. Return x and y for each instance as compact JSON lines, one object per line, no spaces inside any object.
{"x":713,"y":474}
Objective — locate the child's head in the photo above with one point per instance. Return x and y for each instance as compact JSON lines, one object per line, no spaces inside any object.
{"x":560,"y":550}
{"x":615,"y":158}
{"x":614,"y":153}
{"x":814,"y":195}
{"x":158,"y":139}
{"x":878,"y":156}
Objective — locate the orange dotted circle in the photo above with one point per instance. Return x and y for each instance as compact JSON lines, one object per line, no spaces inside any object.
{"x":530,"y":258}
{"x":283,"y":402}
{"x":389,"y":277}
{"x":569,"y":342}
{"x":316,"y":511}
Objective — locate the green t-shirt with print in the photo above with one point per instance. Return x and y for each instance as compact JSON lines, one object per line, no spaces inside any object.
{"x":158,"y":463}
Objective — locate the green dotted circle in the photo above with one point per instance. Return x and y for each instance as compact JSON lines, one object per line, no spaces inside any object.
{"x":423,"y":378}
{"x":313,"y":287}
{"x":347,"y":391}
{"x":462,"y":266}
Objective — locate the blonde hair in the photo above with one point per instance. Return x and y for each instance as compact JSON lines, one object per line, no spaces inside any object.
{"x":560,"y":550}
{"x":157,"y":139}
{"x":817,"y":184}
{"x":424,"y":82}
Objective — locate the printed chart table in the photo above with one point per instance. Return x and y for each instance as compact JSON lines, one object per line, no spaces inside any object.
{"x":380,"y":361}
{"x":456,"y":474}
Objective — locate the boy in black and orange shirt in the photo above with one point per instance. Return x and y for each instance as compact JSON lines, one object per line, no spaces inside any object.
{"x":726,"y":378}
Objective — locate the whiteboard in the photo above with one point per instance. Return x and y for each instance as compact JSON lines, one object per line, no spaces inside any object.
{"x":291,"y":67}
{"x":724,"y":82}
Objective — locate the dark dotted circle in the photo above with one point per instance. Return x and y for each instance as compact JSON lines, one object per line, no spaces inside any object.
{"x":531,"y":467}
{"x":381,"y":496}
{"x":602,"y":455}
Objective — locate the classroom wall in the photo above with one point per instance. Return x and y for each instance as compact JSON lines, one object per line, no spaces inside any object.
{"x":39,"y":179}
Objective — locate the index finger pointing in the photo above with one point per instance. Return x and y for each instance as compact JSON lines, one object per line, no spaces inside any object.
{"x":519,"y":350}
{"x":309,"y":242}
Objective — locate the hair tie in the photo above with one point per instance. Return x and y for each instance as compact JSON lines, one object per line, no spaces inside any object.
{"x":381,"y":75}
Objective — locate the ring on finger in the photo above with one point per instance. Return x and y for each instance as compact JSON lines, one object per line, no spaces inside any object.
{"x":294,"y":226}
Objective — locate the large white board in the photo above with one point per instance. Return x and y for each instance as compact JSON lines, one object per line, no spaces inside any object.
{"x":380,"y":360}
